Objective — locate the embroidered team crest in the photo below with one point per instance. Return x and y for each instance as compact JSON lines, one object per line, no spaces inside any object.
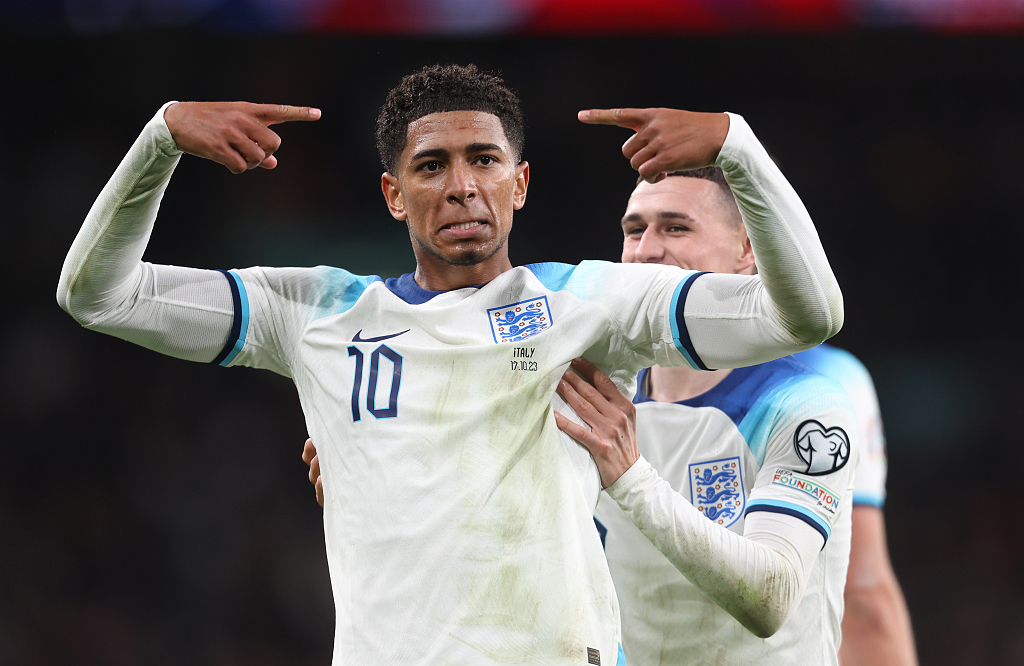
{"x":824,"y":450}
{"x":516,"y":322}
{"x":716,"y":489}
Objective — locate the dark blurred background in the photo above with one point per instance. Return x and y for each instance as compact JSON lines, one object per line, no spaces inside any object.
{"x":154,"y":511}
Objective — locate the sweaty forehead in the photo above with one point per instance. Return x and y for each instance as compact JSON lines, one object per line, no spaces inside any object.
{"x":452,"y":129}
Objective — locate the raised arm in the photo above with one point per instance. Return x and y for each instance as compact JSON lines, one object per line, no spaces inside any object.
{"x":729,"y":320}
{"x":106,"y":286}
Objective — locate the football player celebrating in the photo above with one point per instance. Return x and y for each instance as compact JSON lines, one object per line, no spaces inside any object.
{"x":458,"y":521}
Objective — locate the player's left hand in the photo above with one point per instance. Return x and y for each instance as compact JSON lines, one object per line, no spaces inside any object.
{"x":666,"y":140}
{"x":309,"y":457}
{"x":610,"y":415}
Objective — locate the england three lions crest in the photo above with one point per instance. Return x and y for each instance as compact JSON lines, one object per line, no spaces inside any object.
{"x":823,"y":450}
{"x":716,"y":489}
{"x":518,"y":321}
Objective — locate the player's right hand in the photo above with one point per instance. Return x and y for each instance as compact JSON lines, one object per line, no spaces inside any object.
{"x":310,"y":458}
{"x":235,"y":134}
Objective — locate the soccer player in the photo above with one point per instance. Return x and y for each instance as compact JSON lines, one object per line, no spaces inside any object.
{"x":876,"y":624}
{"x":725,"y":443}
{"x":458,"y":519}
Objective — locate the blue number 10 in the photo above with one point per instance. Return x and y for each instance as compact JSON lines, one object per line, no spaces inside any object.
{"x":371,"y":391}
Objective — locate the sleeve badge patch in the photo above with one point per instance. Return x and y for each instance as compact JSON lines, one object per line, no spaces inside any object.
{"x":716,"y":489}
{"x":823,"y":450}
{"x":824,"y":497}
{"x":518,"y":321}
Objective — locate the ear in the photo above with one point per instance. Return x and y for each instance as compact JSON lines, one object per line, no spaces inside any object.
{"x":522,"y":182}
{"x":745,"y":264}
{"x":390,"y":186}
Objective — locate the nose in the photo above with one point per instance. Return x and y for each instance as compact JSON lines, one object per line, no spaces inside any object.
{"x":461,"y":184}
{"x":649,"y":250}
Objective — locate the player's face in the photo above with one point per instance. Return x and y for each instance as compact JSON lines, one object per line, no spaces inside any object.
{"x":682,"y":222}
{"x":456,"y":188}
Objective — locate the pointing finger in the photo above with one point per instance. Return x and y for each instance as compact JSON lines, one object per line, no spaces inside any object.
{"x":630,"y":118}
{"x":271,"y":114}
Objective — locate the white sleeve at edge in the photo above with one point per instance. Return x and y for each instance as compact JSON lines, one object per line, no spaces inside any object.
{"x":794,"y":302}
{"x":758,"y":578}
{"x":105,"y":285}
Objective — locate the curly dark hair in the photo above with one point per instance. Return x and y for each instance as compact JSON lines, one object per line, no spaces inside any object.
{"x":439,"y":88}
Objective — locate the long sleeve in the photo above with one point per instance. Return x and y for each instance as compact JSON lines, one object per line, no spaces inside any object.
{"x":757,"y":577}
{"x":794,"y":302}
{"x":105,"y":285}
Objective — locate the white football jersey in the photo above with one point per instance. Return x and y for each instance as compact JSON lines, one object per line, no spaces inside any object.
{"x":845,"y":368}
{"x":457,"y":515}
{"x":772,"y":437}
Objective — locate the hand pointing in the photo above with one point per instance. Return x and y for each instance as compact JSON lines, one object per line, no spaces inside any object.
{"x":235,"y":134}
{"x":666,"y":140}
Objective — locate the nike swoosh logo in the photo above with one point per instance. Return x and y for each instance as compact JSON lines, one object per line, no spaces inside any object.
{"x":379,"y":338}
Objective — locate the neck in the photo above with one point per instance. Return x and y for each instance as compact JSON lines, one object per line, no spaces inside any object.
{"x":438,"y":276}
{"x":682,"y":383}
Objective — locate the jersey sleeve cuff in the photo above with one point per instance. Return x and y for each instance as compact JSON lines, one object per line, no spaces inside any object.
{"x":868,"y":499}
{"x":629,"y":479}
{"x":162,"y":134}
{"x":680,"y":334}
{"x":240,"y":323}
{"x":790,"y":509}
{"x":733,"y":146}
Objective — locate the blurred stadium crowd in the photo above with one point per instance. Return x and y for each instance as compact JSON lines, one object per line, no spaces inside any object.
{"x":154,"y":511}
{"x":452,"y":17}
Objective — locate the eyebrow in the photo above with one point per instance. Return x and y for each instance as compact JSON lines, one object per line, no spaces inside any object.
{"x":662,"y":215}
{"x":471,"y":148}
{"x":483,"y":147}
{"x":431,"y":152}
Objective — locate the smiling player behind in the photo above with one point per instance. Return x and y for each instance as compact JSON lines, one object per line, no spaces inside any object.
{"x":724,"y":448}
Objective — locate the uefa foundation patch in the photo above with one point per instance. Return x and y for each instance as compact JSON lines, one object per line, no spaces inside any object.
{"x":716,"y":489}
{"x":519,"y":321}
{"x":823,"y":496}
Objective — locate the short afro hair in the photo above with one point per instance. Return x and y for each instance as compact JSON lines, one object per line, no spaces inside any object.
{"x":440,"y":88}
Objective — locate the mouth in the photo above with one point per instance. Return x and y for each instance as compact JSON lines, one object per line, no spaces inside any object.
{"x":460,"y":230}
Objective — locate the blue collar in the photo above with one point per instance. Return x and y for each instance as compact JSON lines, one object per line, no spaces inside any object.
{"x":405,"y":288}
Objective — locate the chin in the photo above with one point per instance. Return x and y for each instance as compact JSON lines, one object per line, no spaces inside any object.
{"x":460,"y":256}
{"x":469,"y":257}
{"x":473,"y":255}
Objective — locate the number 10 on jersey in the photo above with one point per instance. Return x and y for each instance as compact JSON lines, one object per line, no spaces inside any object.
{"x":395,"y":360}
